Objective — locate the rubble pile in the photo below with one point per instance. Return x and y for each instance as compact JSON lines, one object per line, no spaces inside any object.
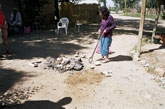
{"x":63,"y":64}
{"x":15,"y":96}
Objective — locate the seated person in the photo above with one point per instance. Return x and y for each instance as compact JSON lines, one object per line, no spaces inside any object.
{"x":15,"y":20}
{"x":4,"y":28}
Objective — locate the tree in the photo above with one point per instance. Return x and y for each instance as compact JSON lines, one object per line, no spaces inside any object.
{"x":129,"y":3}
{"x":125,"y":6}
{"x":152,"y":3}
{"x":104,"y":2}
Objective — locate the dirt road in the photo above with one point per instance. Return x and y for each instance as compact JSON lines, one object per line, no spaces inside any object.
{"x":129,"y":87}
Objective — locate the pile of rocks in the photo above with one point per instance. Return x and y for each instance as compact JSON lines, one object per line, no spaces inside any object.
{"x":157,"y":70}
{"x":16,"y":96}
{"x":63,"y":64}
{"x":160,"y":81}
{"x":35,"y":63}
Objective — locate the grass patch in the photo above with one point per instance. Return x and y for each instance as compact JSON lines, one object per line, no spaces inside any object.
{"x":135,"y":48}
{"x":150,"y":69}
{"x":152,"y":16}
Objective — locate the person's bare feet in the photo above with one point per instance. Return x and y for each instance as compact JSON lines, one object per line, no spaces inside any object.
{"x":100,"y":59}
{"x":105,"y":61}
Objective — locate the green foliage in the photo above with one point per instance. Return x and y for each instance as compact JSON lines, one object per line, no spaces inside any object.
{"x":134,"y":3}
{"x":152,"y":16}
{"x":135,"y":48}
{"x":150,"y":69}
{"x":130,"y":3}
{"x":152,"y":3}
{"x":114,"y":9}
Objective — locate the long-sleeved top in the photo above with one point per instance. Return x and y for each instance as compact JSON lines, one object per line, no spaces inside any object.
{"x":107,"y":25}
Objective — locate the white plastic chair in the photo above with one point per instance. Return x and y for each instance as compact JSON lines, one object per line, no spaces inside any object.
{"x":63,"y":23}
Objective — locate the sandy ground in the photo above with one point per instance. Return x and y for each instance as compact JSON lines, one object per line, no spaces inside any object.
{"x":129,"y":87}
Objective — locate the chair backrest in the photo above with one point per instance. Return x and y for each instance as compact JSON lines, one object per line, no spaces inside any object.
{"x":64,"y":21}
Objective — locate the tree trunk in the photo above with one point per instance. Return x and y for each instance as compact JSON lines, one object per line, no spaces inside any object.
{"x":125,"y":7}
{"x":56,"y":12}
{"x":156,"y":19}
{"x":104,"y":3}
{"x":143,"y":11}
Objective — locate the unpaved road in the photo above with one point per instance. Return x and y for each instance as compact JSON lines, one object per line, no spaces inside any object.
{"x":129,"y":87}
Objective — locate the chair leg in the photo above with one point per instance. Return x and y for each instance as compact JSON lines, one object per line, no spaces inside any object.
{"x":58,"y":31}
{"x":66,"y":31}
{"x":78,"y":28}
{"x":55,"y":30}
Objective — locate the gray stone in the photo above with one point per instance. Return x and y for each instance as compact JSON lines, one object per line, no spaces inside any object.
{"x":66,"y":64}
{"x":83,"y":56}
{"x":70,"y":72}
{"x":92,"y":67}
{"x":143,"y":62}
{"x":107,"y":73}
{"x":97,"y":63}
{"x":147,"y":65}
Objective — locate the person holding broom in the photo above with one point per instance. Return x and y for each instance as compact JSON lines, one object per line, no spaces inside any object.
{"x":106,"y":32}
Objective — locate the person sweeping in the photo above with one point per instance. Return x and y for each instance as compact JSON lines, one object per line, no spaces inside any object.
{"x":106,"y":32}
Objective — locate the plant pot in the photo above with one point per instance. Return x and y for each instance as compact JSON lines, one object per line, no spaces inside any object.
{"x":156,"y":40}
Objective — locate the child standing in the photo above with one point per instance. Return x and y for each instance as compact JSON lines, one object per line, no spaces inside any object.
{"x":105,"y":30}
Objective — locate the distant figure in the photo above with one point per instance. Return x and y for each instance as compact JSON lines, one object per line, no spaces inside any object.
{"x":105,"y":30}
{"x":15,"y":20}
{"x":3,"y":30}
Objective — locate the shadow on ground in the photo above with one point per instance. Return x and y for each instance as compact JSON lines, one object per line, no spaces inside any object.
{"x":133,"y":25}
{"x":43,"y":104}
{"x":46,"y":43}
{"x":152,"y":50}
{"x":120,"y":58}
{"x":8,"y":78}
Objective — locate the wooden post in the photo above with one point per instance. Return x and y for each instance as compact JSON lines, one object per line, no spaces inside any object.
{"x":56,"y":12}
{"x":156,"y":19}
{"x":125,"y":7}
{"x":143,"y":11}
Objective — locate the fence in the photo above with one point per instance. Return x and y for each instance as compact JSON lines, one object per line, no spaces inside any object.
{"x":85,"y":13}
